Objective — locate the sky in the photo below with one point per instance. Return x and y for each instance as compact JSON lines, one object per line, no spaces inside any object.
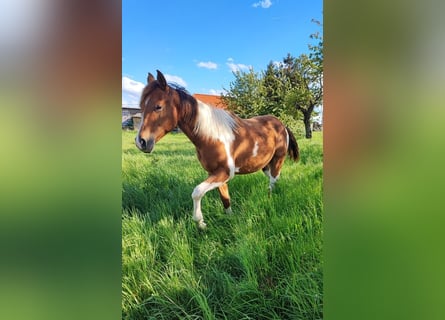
{"x":200,"y":43}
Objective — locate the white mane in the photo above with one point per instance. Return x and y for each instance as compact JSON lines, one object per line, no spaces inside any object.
{"x":214,"y":123}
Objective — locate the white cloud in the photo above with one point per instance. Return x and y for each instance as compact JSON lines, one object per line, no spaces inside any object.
{"x":175,"y":79}
{"x":234,"y":67}
{"x":217,"y":92}
{"x":263,"y":4}
{"x":131,"y":86}
{"x":208,"y":65}
{"x":131,"y":92}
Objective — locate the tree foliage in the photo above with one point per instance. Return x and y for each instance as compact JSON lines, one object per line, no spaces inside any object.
{"x":244,"y":96}
{"x":307,"y":93}
{"x":290,"y":88}
{"x":274,"y":89}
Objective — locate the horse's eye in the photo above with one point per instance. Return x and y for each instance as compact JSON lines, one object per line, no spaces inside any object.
{"x":158,"y":108}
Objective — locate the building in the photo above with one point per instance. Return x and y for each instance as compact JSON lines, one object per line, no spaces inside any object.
{"x":131,"y":116}
{"x":211,"y":99}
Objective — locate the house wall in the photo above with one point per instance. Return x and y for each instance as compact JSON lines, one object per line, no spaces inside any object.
{"x":129,"y":112}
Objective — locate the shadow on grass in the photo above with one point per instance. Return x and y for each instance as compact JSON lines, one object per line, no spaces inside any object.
{"x":157,"y":194}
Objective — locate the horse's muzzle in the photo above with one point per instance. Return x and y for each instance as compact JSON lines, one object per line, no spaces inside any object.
{"x":145,"y":145}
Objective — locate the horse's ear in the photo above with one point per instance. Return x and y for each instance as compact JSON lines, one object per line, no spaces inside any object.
{"x":161,"y":80}
{"x":150,"y":78}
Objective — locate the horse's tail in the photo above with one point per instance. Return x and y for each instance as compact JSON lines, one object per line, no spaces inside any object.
{"x":292,"y":148}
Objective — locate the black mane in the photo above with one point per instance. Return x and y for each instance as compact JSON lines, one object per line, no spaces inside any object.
{"x":188,"y":104}
{"x":178,"y":87}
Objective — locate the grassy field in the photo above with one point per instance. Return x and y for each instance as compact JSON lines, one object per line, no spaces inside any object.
{"x":262,"y":262}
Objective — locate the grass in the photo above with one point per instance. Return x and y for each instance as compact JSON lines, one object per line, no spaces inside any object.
{"x":262,"y":262}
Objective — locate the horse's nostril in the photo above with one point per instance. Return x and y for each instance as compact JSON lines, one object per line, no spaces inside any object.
{"x":143,"y":143}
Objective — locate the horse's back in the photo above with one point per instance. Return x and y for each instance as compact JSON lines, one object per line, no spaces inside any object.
{"x":267,"y":125}
{"x":258,"y":140}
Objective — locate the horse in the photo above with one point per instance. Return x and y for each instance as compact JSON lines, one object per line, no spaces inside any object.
{"x":225,"y":144}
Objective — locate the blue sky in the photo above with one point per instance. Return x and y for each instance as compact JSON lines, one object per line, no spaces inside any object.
{"x":198,"y":44}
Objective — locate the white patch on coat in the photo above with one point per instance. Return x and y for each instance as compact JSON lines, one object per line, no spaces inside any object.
{"x":287,"y":139}
{"x":230,"y":162}
{"x":214,"y":123}
{"x":217,"y":124}
{"x":255,"y":149}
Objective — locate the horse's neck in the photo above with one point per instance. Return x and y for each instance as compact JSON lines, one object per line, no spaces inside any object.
{"x":187,"y":126}
{"x":188,"y":130}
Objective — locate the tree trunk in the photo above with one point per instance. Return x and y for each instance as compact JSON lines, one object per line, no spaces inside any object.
{"x":307,"y":124}
{"x":306,"y":118}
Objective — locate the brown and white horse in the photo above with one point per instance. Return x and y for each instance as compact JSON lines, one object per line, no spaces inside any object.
{"x":225,"y":144}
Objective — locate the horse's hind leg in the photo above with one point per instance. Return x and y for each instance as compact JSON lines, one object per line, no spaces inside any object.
{"x":225,"y":198}
{"x":273,"y":169}
{"x":266,"y":171}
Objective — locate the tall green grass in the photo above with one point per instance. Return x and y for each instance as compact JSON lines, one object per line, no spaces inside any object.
{"x":262,"y":262}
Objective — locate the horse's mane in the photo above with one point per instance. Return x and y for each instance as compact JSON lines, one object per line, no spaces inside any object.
{"x":187,"y":103}
{"x":211,"y":122}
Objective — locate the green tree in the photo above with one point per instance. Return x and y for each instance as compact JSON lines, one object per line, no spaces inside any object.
{"x":273,"y":90}
{"x":305,"y":75}
{"x":244,"y":96}
{"x":308,"y":92}
{"x":289,"y":90}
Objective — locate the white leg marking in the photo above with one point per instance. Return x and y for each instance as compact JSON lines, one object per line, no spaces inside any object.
{"x":228,"y":210}
{"x":255,"y":149}
{"x":197,"y":195}
{"x":272,"y":180}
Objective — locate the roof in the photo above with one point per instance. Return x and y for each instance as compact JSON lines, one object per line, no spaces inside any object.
{"x":131,"y":106}
{"x":211,"y":99}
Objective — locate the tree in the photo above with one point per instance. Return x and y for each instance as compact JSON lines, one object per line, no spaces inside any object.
{"x":273,"y":90}
{"x":308,"y":92}
{"x":244,"y":96}
{"x":305,"y":74}
{"x":287,"y":89}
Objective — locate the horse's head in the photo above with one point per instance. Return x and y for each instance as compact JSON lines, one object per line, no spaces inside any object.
{"x":159,"y":113}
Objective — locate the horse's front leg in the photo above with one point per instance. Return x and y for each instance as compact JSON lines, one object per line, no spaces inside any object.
{"x":212,"y":182}
{"x":225,"y":197}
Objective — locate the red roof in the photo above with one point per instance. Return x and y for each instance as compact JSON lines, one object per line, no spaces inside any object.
{"x":211,"y":99}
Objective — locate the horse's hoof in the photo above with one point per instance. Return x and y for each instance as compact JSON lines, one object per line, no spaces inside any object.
{"x":228,"y":210}
{"x":201,"y":225}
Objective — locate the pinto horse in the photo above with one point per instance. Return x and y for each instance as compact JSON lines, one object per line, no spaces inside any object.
{"x":225,"y":144}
